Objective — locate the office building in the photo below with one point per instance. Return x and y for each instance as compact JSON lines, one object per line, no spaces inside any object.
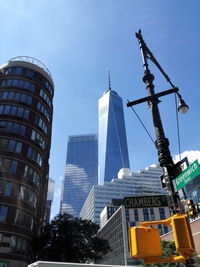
{"x":80,"y":172}
{"x":144,"y":182}
{"x":113,"y":150}
{"x":115,"y":230}
{"x":26,"y":109}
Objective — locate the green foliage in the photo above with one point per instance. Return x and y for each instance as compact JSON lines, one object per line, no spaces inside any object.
{"x":168,"y":248}
{"x":69,"y":239}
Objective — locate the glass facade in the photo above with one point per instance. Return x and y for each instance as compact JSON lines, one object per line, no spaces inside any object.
{"x":144,"y":182}
{"x":113,"y":150}
{"x":80,"y":172}
{"x":25,"y":139}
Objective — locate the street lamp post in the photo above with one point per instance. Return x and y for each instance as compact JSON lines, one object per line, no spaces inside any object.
{"x":162,"y":143}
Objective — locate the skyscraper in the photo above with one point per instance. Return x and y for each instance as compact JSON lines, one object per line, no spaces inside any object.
{"x":26,"y":109}
{"x":113,"y":151}
{"x":80,"y":172}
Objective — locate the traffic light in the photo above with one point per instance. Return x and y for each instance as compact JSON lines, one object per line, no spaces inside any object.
{"x":192,"y":211}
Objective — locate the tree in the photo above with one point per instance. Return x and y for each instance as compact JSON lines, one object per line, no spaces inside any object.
{"x":70,"y":239}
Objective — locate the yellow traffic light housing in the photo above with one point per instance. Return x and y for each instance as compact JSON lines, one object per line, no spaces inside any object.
{"x":145,"y":241}
{"x":182,"y":235}
{"x":150,"y":245}
{"x":192,"y":211}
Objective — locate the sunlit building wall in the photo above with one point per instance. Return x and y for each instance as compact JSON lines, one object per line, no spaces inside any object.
{"x":144,"y":182}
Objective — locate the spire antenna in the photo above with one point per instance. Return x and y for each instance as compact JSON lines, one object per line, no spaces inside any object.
{"x":109,"y":82}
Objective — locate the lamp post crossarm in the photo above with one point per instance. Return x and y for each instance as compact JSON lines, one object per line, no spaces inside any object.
{"x":151,"y":98}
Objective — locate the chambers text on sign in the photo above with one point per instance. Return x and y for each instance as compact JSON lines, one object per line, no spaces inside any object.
{"x":146,"y":201}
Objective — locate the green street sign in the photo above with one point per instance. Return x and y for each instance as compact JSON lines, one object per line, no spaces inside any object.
{"x":146,"y":202}
{"x":187,"y":175}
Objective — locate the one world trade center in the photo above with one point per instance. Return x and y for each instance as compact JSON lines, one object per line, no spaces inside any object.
{"x":112,"y":148}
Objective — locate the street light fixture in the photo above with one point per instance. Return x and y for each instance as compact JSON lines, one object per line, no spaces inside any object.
{"x":182,"y":106}
{"x":162,"y":143}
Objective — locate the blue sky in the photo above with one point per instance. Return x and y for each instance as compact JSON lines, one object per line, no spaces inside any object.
{"x":79,"y":40}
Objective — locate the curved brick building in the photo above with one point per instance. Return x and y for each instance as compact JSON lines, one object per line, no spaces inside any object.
{"x":26,"y":94}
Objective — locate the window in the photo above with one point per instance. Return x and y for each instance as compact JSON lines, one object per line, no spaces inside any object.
{"x":3,"y":213}
{"x":132,"y":224}
{"x":18,"y":83}
{"x":29,"y":73}
{"x":9,"y":83}
{"x":23,"y":218}
{"x":18,"y":244}
{"x":49,"y":88}
{"x":18,"y":70}
{"x":160,"y":228}
{"x":15,"y":111}
{"x":16,"y":96}
{"x":146,"y":214}
{"x":166,"y":229}
{"x":28,"y":196}
{"x":7,"y":109}
{"x":40,"y":123}
{"x":13,"y":166}
{"x":136,"y":215}
{"x":14,"y":82}
{"x":162,"y":213}
{"x":44,"y":111}
{"x":31,"y":174}
{"x":6,"y":188}
{"x":35,"y":155}
{"x":45,"y":97}
{"x":19,"y":112}
{"x":35,"y":136}
{"x":152,"y":214}
{"x":7,"y":166}
{"x":127,"y":215}
{"x":10,"y":145}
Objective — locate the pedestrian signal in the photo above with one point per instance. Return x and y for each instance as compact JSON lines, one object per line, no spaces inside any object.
{"x":182,"y":235}
{"x":144,"y":242}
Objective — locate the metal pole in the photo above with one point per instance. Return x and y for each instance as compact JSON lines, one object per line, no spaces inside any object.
{"x":162,"y":143}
